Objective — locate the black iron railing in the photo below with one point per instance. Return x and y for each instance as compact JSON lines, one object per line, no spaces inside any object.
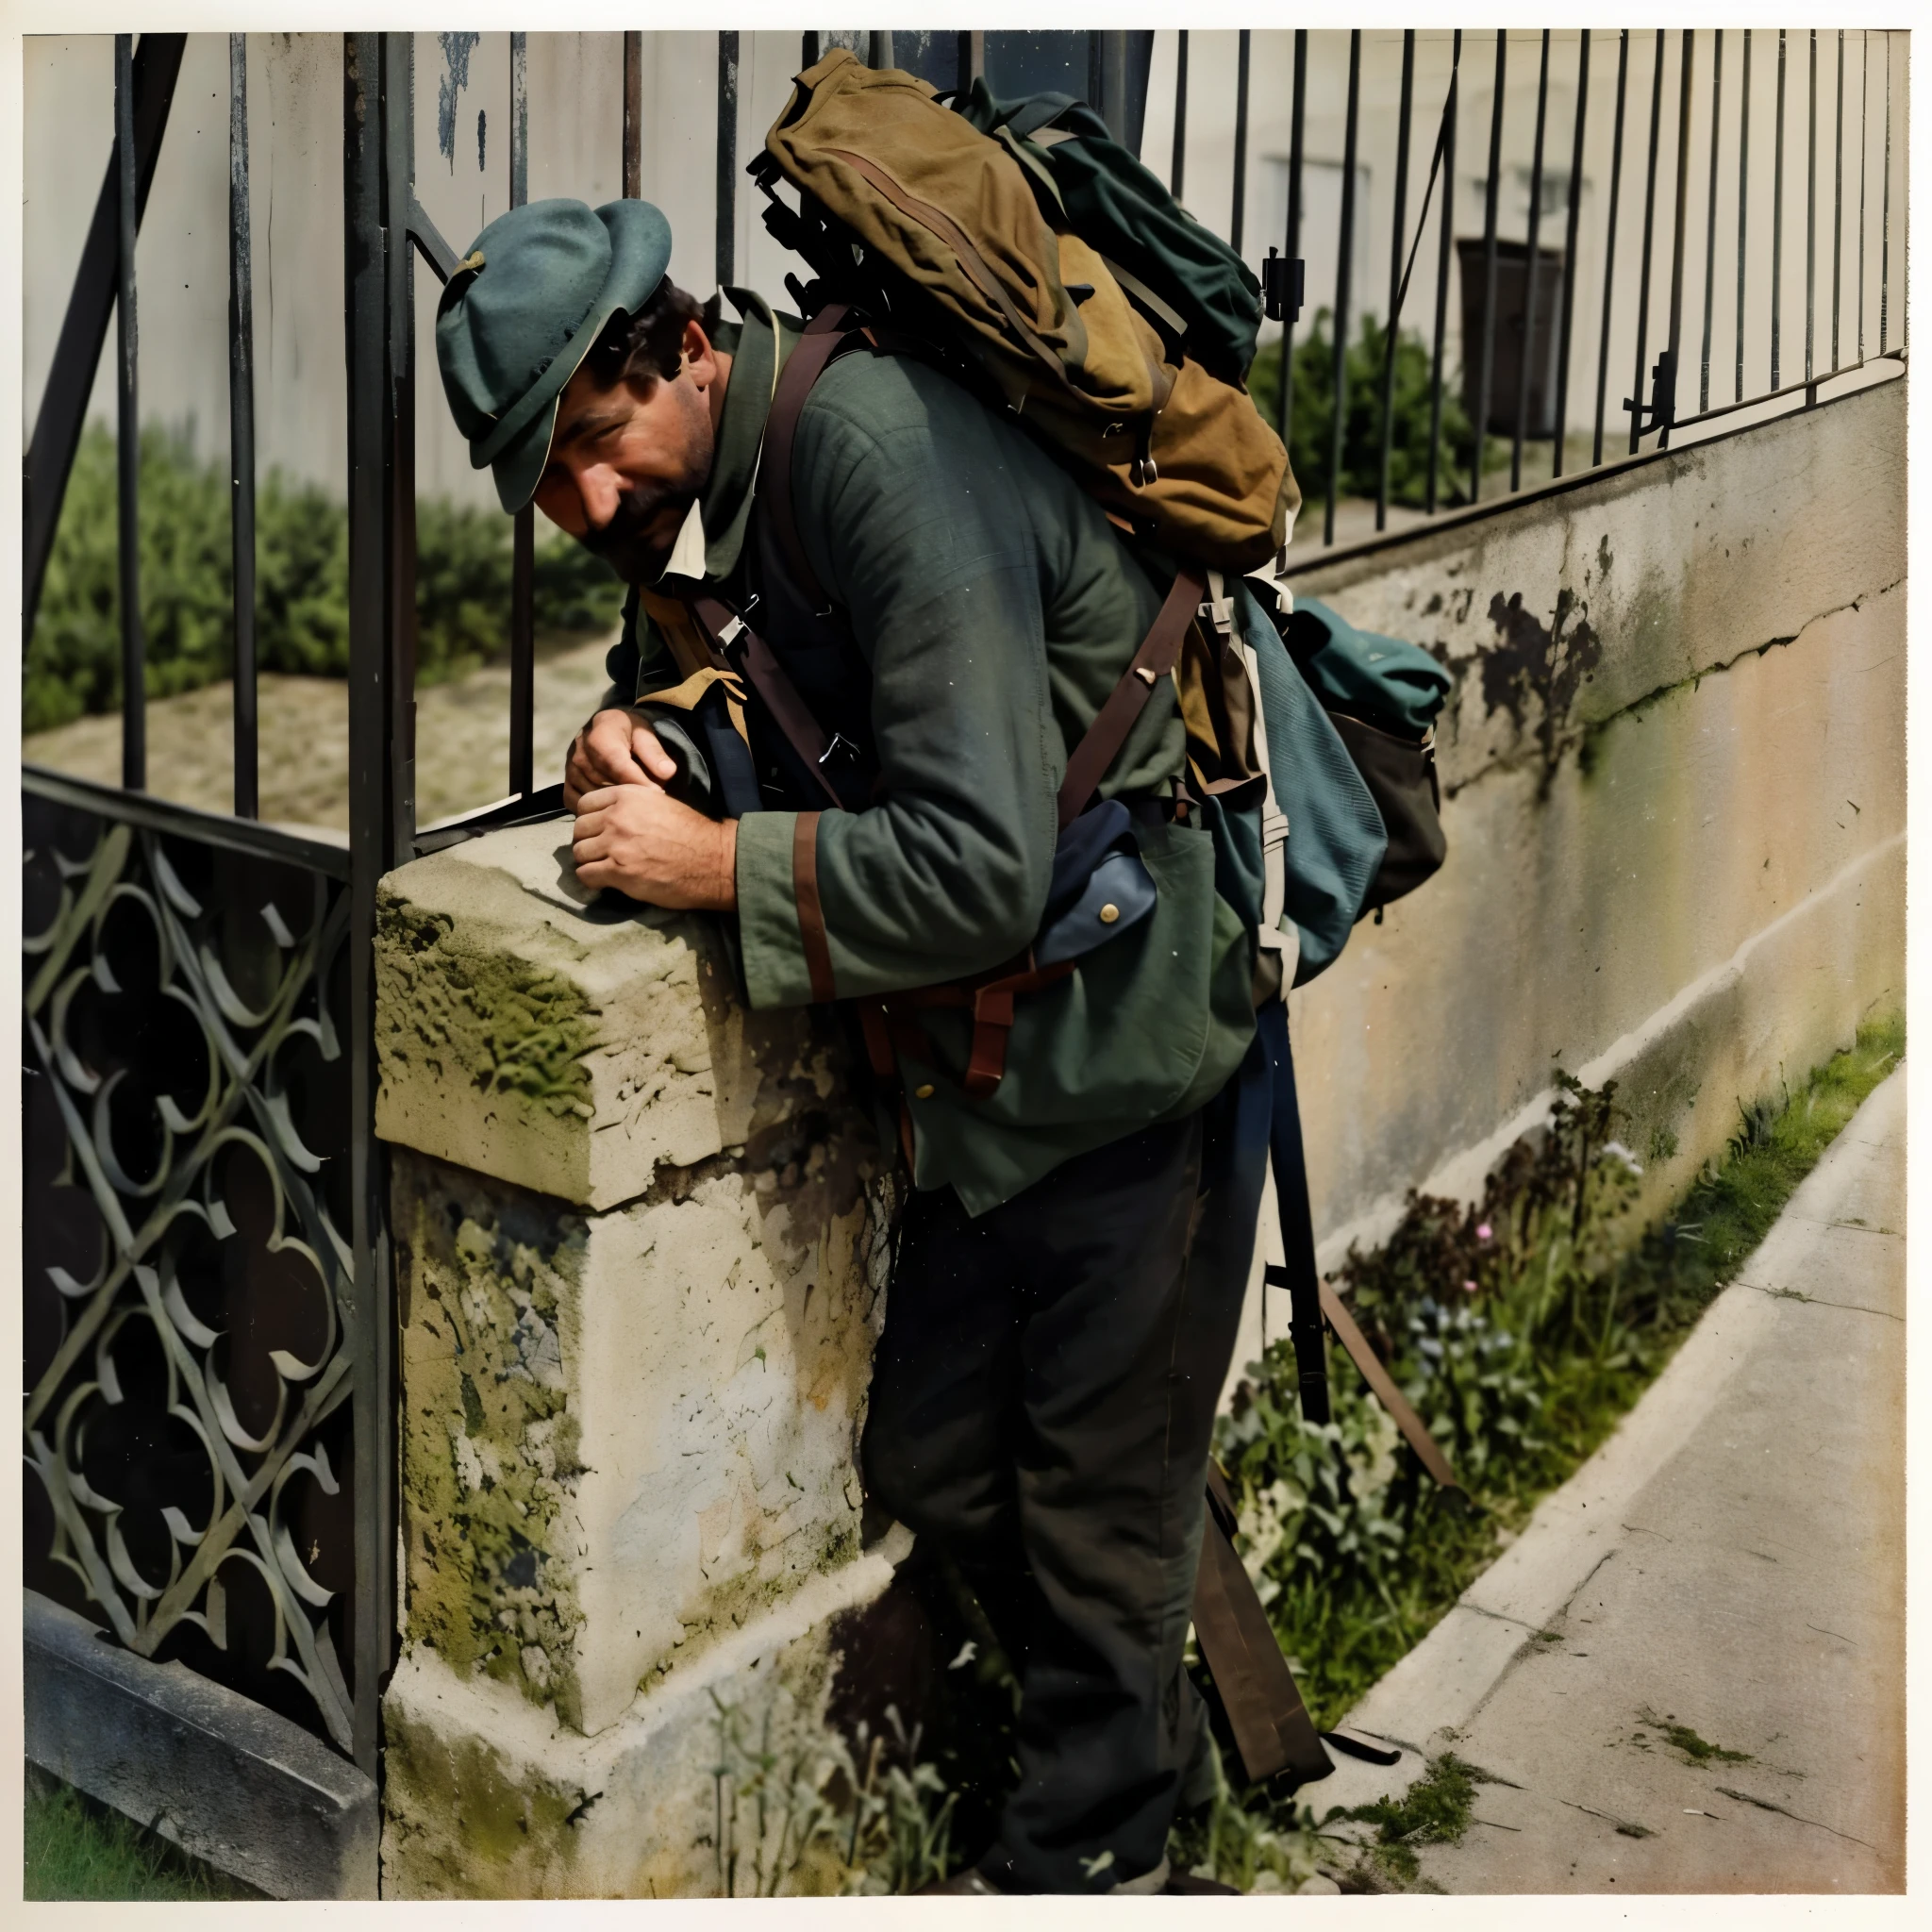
{"x":1521,"y":350}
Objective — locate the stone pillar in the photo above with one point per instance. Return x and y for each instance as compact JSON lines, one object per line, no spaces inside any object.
{"x":640,"y":1272}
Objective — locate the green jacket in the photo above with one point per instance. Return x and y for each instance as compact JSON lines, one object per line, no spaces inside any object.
{"x":996,"y":609}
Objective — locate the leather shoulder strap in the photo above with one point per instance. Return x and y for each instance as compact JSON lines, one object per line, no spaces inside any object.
{"x":1159,"y":654}
{"x":825,"y":333}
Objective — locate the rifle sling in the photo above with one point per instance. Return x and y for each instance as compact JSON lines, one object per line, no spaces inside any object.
{"x":1390,"y":1397}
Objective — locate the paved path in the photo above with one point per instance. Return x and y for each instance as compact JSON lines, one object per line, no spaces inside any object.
{"x":1732,"y":1562}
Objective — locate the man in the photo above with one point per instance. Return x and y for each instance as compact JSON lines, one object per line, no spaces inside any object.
{"x":1073,"y":1253}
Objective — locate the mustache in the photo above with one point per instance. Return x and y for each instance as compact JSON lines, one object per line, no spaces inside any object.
{"x":624,"y":537}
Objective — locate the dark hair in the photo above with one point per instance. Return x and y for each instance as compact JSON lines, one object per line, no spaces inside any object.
{"x":651,"y":341}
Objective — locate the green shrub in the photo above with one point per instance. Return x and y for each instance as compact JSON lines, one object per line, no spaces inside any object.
{"x":73,"y":663}
{"x":1313,"y":427}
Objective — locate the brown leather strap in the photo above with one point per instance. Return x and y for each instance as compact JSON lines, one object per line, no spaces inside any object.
{"x":812,"y":917}
{"x":1387,"y":1394}
{"x":824,"y":335}
{"x":1272,"y":1727}
{"x":766,"y":675}
{"x":1159,"y":654}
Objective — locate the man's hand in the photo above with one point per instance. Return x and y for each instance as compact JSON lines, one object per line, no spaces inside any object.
{"x":638,"y":839}
{"x":616,"y":747}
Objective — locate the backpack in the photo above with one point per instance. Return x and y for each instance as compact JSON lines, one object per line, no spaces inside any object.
{"x":992,"y":240}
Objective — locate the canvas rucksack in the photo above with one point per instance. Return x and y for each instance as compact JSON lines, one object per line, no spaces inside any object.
{"x":985,"y":251}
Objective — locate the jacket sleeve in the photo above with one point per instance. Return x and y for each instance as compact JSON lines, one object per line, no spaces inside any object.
{"x":916,"y":520}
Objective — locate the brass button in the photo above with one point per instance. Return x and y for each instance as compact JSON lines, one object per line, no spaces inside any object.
{"x":1108,"y":914}
{"x":923,"y":1092}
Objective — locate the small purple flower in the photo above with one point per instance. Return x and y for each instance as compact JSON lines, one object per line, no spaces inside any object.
{"x":1484,"y":1232}
{"x":1469,"y":1287}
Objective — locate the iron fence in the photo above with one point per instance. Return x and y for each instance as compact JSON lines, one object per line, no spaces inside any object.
{"x":160,"y":1257}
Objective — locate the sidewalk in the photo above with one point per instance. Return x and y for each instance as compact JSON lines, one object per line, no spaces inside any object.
{"x":1727,"y":1571}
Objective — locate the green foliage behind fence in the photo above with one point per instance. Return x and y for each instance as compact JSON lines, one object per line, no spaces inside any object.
{"x":302,"y":583}
{"x":1309,"y":444}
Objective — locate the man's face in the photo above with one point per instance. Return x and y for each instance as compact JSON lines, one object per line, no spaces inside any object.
{"x":628,"y":462}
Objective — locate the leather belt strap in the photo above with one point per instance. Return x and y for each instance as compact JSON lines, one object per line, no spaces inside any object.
{"x":1159,"y":652}
{"x":1390,"y":1397}
{"x":1272,"y":1727}
{"x":991,"y":1002}
{"x":812,"y":917}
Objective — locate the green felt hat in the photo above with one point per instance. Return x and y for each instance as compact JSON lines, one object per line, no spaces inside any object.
{"x":521,"y":313}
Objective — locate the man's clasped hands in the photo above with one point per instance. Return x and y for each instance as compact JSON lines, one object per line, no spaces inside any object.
{"x":630,"y":833}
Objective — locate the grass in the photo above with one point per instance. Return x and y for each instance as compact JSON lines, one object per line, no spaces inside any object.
{"x":78,"y":1849}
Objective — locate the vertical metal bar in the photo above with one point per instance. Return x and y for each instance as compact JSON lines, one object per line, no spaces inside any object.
{"x":1603,"y":344}
{"x":1344,"y":266}
{"x":1398,"y":226}
{"x":370,"y":853}
{"x":522,"y":620}
{"x":399,"y":55}
{"x":1885,"y":213}
{"x":1687,"y":47}
{"x":1107,"y":65}
{"x":1291,"y":246}
{"x":1486,"y":366}
{"x":1838,"y":199}
{"x":809,"y":55}
{"x":1812,"y":219}
{"x":1531,"y":267}
{"x":878,"y":50}
{"x":1177,"y":174}
{"x":1777,"y":218}
{"x":1241,"y":143}
{"x":971,"y":59}
{"x":1569,"y":229}
{"x":633,"y":116}
{"x":1864,"y":154}
{"x":727,"y":157}
{"x":1744,"y":206}
{"x":1656,"y":114}
{"x":128,"y":422}
{"x":1445,"y":234}
{"x":1717,"y":106}
{"x":242,"y":432}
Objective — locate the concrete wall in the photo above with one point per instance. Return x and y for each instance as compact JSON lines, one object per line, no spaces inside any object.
{"x":1673,"y":771}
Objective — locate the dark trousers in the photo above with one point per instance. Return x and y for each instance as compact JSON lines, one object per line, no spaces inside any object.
{"x":1041,"y":1405}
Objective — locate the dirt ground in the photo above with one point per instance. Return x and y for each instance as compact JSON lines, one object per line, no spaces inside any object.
{"x":462,"y":741}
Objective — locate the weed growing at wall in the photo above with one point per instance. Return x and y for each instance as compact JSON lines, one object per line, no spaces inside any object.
{"x":73,"y":663}
{"x":76,"y":1848}
{"x":799,"y":1810}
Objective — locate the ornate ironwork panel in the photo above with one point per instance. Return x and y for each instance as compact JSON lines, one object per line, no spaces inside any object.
{"x":191,"y":1268}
